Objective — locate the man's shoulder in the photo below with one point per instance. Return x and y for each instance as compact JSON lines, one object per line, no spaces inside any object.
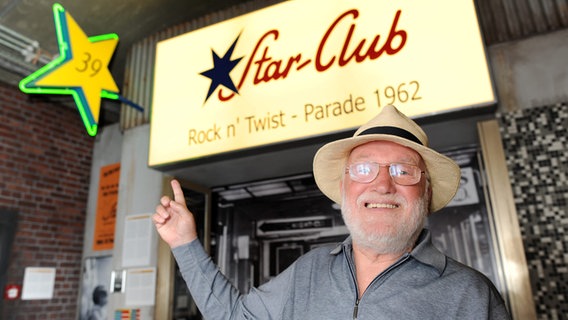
{"x":467,"y":276}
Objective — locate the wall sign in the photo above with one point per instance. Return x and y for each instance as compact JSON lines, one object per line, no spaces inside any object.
{"x":39,"y":283}
{"x":262,"y":78}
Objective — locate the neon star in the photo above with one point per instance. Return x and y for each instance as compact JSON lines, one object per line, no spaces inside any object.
{"x":219,"y":74}
{"x":81,"y":70}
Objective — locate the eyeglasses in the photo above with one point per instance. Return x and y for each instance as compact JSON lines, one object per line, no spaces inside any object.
{"x":401,"y":173}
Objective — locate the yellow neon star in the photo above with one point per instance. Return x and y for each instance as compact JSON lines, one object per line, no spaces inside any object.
{"x":86,"y":68}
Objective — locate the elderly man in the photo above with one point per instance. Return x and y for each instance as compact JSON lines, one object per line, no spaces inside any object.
{"x":387,"y":181}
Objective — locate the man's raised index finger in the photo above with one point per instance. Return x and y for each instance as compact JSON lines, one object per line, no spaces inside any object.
{"x":178,"y":193}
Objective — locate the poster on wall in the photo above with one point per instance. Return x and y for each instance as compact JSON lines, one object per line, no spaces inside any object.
{"x":38,"y":283}
{"x":106,"y":207}
{"x":137,"y":244}
{"x":140,"y":287}
{"x":95,"y":288}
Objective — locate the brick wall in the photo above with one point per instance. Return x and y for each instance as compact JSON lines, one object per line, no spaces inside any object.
{"x":45,"y":162}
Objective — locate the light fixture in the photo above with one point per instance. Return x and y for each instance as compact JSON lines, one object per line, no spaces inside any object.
{"x":19,"y":54}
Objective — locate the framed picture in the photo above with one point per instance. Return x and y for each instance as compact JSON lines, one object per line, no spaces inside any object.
{"x":479,"y":228}
{"x":463,"y":229}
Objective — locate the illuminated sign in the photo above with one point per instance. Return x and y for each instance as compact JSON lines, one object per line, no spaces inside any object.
{"x":81,"y":70}
{"x":265,"y":78}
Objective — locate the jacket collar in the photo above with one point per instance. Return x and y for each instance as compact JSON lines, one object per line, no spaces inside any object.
{"x":424,"y":251}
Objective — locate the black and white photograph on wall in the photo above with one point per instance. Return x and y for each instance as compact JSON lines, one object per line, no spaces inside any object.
{"x":462,"y":230}
{"x":95,"y":288}
{"x":264,"y":226}
{"x":259,"y":228}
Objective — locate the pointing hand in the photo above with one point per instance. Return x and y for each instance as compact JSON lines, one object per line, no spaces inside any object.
{"x":173,"y":221}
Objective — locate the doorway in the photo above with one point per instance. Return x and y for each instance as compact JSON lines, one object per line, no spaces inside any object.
{"x":262,"y":227}
{"x":8,"y":227}
{"x":259,"y":228}
{"x":265,"y":226}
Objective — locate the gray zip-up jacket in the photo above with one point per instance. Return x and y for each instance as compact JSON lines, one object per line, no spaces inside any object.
{"x":424,"y":284}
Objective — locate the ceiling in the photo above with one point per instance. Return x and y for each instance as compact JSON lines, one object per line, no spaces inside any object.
{"x":134,"y":20}
{"x":131,"y":20}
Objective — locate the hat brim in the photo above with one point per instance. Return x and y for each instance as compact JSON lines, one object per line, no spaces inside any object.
{"x":329,"y":164}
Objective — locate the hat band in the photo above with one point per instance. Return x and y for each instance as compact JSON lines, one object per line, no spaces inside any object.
{"x":393,"y":131}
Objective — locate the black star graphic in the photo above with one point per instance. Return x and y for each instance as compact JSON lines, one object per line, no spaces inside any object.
{"x":219,"y":74}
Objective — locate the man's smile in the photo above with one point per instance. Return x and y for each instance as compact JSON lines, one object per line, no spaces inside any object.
{"x":380,"y":205}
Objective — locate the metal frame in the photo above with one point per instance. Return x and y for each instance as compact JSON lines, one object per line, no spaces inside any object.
{"x":166,"y":264}
{"x":506,"y":222}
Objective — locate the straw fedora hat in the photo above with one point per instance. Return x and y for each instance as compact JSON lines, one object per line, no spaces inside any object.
{"x":389,"y":125}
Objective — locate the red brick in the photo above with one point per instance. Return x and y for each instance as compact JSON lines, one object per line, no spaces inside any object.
{"x":45,"y":163}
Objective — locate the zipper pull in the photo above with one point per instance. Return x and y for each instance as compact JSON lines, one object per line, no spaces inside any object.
{"x":356,"y":309}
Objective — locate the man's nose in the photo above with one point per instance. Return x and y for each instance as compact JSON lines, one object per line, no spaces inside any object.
{"x":384,"y":183}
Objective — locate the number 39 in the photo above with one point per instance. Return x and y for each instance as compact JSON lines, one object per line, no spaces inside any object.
{"x":89,"y":64}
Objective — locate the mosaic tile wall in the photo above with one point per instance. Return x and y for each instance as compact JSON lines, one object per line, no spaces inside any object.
{"x":536,"y":147}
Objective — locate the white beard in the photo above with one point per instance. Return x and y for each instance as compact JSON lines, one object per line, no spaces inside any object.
{"x":398,"y":241}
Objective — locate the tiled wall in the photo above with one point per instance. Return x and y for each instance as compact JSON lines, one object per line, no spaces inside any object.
{"x":536,"y":147}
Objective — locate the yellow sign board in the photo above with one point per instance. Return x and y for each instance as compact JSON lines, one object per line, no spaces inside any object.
{"x":306,"y":68}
